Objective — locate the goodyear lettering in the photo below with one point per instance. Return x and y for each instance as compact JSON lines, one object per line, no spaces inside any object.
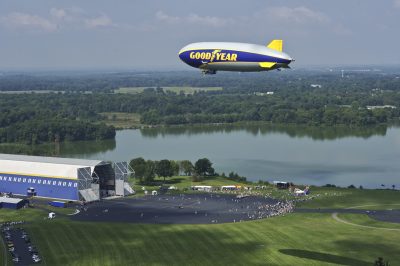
{"x":216,"y":55}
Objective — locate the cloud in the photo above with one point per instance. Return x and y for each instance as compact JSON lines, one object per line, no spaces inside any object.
{"x":99,"y":22}
{"x":17,"y":20}
{"x":396,"y":3}
{"x":57,"y":20}
{"x":58,"y":13}
{"x":194,"y":19}
{"x":300,"y":20}
{"x":298,"y":15}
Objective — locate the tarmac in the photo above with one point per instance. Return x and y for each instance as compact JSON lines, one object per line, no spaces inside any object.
{"x":201,"y":208}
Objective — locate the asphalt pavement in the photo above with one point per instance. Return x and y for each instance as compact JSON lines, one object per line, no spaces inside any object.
{"x":204,"y":208}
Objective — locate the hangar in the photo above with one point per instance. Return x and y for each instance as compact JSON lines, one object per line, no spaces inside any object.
{"x":63,"y":178}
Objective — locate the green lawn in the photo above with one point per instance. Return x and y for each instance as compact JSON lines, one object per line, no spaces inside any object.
{"x":345,"y":198}
{"x":293,"y":239}
{"x":121,"y":120}
{"x":365,"y":220}
{"x":185,"y":182}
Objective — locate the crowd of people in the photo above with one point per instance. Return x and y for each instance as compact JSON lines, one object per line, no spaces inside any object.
{"x":260,"y":209}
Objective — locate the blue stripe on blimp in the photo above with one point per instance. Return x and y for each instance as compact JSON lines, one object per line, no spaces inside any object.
{"x":239,"y":56}
{"x":57,"y":188}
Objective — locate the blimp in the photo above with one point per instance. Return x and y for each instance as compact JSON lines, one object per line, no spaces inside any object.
{"x":211,"y":57}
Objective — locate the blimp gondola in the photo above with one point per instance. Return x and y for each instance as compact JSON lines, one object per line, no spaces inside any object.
{"x":211,"y":57}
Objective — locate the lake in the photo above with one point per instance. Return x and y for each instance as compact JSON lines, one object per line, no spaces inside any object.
{"x":303,"y":155}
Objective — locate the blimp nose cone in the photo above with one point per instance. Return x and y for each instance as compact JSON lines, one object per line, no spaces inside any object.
{"x":181,"y":55}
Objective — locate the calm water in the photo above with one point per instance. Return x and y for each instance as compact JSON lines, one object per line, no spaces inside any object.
{"x":304,"y":155}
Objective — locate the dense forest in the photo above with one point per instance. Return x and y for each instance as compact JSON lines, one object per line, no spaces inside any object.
{"x":71,"y":107}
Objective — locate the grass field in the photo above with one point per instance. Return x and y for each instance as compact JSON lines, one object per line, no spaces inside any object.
{"x":367,"y":221}
{"x":360,"y":198}
{"x":121,"y":120}
{"x":184,"y":182}
{"x":185,"y":90}
{"x":293,"y":239}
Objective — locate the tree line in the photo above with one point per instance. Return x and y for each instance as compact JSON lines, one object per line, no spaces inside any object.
{"x":39,"y":131}
{"x":338,"y":102}
{"x":145,"y":171}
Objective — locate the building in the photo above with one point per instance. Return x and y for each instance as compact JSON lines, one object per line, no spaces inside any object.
{"x":62,"y":178}
{"x":316,"y":86}
{"x":380,"y":107}
{"x":12,"y":203}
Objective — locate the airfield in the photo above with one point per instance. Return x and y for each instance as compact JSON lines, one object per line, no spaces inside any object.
{"x":340,"y":226}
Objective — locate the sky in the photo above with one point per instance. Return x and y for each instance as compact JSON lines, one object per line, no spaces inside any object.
{"x":131,"y":34}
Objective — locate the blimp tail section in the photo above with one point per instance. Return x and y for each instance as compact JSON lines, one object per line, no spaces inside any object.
{"x":276,"y":45}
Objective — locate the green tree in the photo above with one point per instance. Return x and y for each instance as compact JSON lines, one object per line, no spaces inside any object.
{"x":204,"y":167}
{"x":164,"y":168}
{"x":149,"y":172}
{"x":139,"y":167}
{"x":175,"y":167}
{"x":187,"y":167}
{"x":381,"y":262}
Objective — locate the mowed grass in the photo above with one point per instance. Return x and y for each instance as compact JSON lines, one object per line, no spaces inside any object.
{"x":295,"y":239}
{"x":177,"y":90}
{"x":365,"y":220}
{"x":121,"y":120}
{"x":185,"y":182}
{"x":359,"y":198}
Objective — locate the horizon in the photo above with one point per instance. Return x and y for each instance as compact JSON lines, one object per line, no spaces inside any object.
{"x":103,"y":69}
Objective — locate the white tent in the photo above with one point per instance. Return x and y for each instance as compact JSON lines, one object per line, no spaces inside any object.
{"x":231,"y":187}
{"x":202,"y":188}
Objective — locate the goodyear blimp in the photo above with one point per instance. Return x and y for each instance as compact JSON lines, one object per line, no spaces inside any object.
{"x":211,"y":57}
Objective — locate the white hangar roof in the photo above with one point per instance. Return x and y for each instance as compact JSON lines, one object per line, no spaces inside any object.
{"x":44,"y":166}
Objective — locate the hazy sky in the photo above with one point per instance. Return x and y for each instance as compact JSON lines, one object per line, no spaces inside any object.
{"x":149,"y":33}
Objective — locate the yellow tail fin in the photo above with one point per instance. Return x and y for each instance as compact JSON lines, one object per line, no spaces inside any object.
{"x":267,"y":64}
{"x":276,"y":45}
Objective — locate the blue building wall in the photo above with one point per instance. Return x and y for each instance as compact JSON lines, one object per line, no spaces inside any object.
{"x":12,"y":205}
{"x":57,"y":188}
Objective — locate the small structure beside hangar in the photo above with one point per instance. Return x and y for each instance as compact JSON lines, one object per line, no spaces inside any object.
{"x":12,"y":203}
